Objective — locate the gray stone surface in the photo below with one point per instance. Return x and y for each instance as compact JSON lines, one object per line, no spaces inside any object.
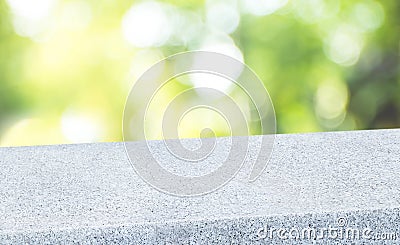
{"x":89,"y":193}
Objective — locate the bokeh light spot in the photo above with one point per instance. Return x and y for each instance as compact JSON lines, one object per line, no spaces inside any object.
{"x":344,"y":46}
{"x":262,"y":7}
{"x":331,"y":99}
{"x":80,"y":128}
{"x":147,"y":24}
{"x":31,"y":18}
{"x":222,"y":16}
{"x":369,"y":15}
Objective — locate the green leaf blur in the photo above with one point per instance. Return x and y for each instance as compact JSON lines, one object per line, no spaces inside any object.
{"x":66,"y":67}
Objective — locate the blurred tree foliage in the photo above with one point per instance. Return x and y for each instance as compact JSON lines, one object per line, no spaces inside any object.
{"x":12,"y":49}
{"x":66,"y":67}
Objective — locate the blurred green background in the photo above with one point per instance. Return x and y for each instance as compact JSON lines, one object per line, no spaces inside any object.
{"x":66,"y":67}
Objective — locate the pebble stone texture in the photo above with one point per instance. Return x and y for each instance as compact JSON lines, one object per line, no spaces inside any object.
{"x":325,"y":188}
